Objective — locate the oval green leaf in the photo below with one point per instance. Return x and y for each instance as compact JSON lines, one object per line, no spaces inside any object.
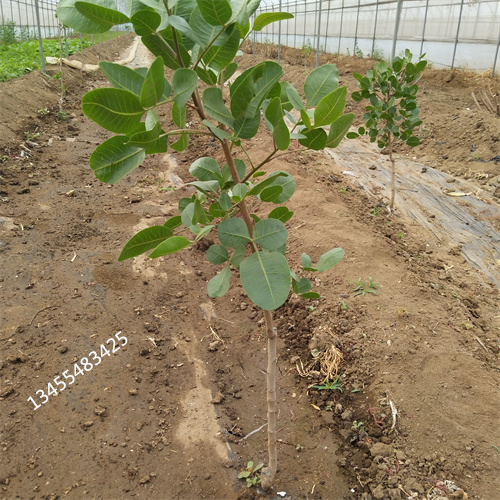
{"x":330,"y":259}
{"x":266,"y":279}
{"x":144,"y":240}
{"x":170,"y":245}
{"x":217,"y":254}
{"x":270,"y":234}
{"x":233,"y":233}
{"x":219,"y":284}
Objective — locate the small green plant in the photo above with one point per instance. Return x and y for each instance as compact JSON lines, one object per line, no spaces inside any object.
{"x":31,"y":135}
{"x":311,"y":308}
{"x":43,"y":111}
{"x":344,"y":305}
{"x":377,"y":54}
{"x":250,"y":474}
{"x":329,"y":385}
{"x":357,"y":51}
{"x":375,"y":211}
{"x":391,"y":89}
{"x":299,"y":447}
{"x":401,"y":235}
{"x":306,"y":48}
{"x":62,"y":115}
{"x":362,"y":289}
{"x":357,"y":426}
{"x":7,"y":32}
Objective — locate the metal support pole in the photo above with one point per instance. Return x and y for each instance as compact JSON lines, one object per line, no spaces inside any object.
{"x":396,"y":29}
{"x":295,"y":33}
{"x":66,"y":42}
{"x":40,"y":35}
{"x":375,"y":29}
{"x":458,"y":31}
{"x":425,"y":25}
{"x":496,"y":57}
{"x":341,"y":22}
{"x":326,"y":28}
{"x":279,"y":36}
{"x":319,"y":29}
{"x":305,"y":17}
{"x":356,"y":29}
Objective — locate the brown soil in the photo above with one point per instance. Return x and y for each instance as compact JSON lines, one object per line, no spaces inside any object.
{"x":164,"y":416}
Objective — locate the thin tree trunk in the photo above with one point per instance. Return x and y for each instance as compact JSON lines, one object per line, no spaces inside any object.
{"x":393,"y":172}
{"x":268,"y":479}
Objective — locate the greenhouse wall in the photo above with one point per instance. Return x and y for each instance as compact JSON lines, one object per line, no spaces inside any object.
{"x":452,"y":33}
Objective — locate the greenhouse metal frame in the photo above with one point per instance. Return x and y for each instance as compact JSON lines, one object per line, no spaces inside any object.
{"x":452,"y":33}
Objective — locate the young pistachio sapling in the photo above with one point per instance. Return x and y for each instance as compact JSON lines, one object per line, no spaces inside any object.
{"x":199,"y":41}
{"x":392,"y":113}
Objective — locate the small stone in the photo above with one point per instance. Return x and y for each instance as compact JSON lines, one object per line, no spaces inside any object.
{"x":381,"y":449}
{"x":347,"y":415}
{"x":400,"y":455}
{"x":133,"y":392}
{"x":496,"y":193}
{"x":218,"y":398}
{"x":88,"y":424}
{"x":338,"y":409}
{"x":243,"y":306}
{"x":63,"y":349}
{"x":145,"y":479}
{"x":100,"y":411}
{"x":341,"y":462}
{"x":378,"y":492}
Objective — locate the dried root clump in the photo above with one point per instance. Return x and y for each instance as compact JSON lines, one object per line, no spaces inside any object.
{"x":327,"y":357}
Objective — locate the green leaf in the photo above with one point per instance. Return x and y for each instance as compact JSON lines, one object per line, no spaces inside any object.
{"x":315,"y":139}
{"x":305,"y":118}
{"x":100,"y":14}
{"x":266,"y":279}
{"x":320,"y":82}
{"x":225,"y":201}
{"x":281,"y":133}
{"x":293,"y":95}
{"x":206,"y":169}
{"x":270,"y":234}
{"x":160,"y":47}
{"x":215,"y":12}
{"x":144,"y":240}
{"x":183,"y":27}
{"x":238,"y":256}
{"x":330,"y":259}
{"x":330,"y":107}
{"x":239,"y":192}
{"x":145,"y":22}
{"x":338,"y":129}
{"x":170,"y":245}
{"x":206,"y":186}
{"x":203,"y":232}
{"x":220,"y":134}
{"x":262,"y":20}
{"x":219,"y":284}
{"x":287,"y":182}
{"x":173,"y":222}
{"x":310,"y":295}
{"x":207,"y":76}
{"x":122,"y":77}
{"x":281,"y":213}
{"x":217,"y":254}
{"x":301,"y":286}
{"x":219,"y":56}
{"x":247,"y":127}
{"x":114,"y":159}
{"x":215,"y":107}
{"x":154,"y":84}
{"x":413,"y":141}
{"x":354,"y":135}
{"x":151,"y":141}
{"x":266,"y":182}
{"x":68,"y":15}
{"x":271,"y":193}
{"x":184,"y":82}
{"x":251,"y":88}
{"x":116,"y":110}
{"x":307,"y":262}
{"x":233,"y":233}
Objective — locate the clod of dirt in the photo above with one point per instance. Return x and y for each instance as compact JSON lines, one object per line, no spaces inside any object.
{"x":133,"y":392}
{"x":145,"y":478}
{"x":381,"y":449}
{"x":218,"y":398}
{"x":100,"y":411}
{"x":17,"y":358}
